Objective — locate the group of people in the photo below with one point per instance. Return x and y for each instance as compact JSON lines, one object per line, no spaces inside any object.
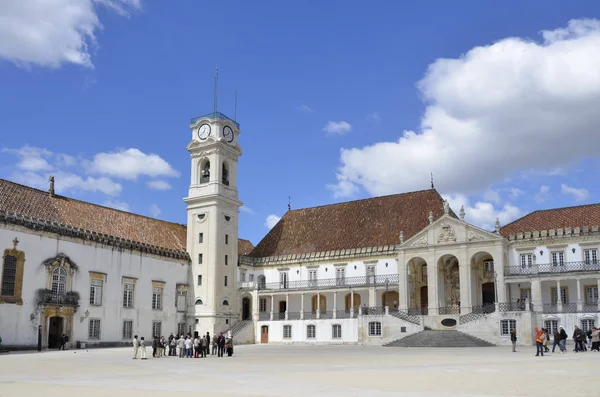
{"x":559,"y":338}
{"x":185,"y":346}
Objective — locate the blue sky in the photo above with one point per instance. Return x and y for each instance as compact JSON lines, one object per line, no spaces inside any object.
{"x":337,"y":100}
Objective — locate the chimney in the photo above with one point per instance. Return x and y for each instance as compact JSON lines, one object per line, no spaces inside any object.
{"x":51,"y":189}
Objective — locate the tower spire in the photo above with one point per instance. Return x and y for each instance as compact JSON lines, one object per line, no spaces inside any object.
{"x":432,"y":186}
{"x":289,"y":203}
{"x":216,"y":97}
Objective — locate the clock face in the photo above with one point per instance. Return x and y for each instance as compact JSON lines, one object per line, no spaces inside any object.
{"x":228,"y":134}
{"x":204,"y":131}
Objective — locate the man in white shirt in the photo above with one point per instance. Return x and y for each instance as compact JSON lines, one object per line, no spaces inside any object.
{"x":135,"y":346}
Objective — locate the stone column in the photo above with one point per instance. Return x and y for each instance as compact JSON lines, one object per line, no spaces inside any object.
{"x":287,"y":305}
{"x":559,"y":302}
{"x":302,"y":306}
{"x":319,"y":305}
{"x":335,"y":304}
{"x":432,"y":286}
{"x":536,"y":295}
{"x":402,"y":284}
{"x":272,"y":304}
{"x":499,"y":269}
{"x":579,"y":298}
{"x":255,"y":305}
{"x":599,"y":293}
{"x":352,"y":302}
{"x":372,"y":297}
{"x":464,"y":272}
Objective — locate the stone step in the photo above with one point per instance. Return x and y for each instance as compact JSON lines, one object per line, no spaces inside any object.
{"x":430,"y":338}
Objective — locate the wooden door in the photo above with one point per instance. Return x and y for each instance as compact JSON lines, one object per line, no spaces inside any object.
{"x":264,"y":334}
{"x":245,"y":309}
{"x":424,"y":297}
{"x":488,"y":293}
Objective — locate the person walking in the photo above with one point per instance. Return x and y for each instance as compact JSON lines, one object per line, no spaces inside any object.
{"x":513,"y":340}
{"x":136,"y":345}
{"x":143,"y":348}
{"x":596,"y":339}
{"x":539,"y":341}
{"x":215,"y":344}
{"x":181,"y":346}
{"x":207,"y":346}
{"x":563,"y":340}
{"x":221,"y":345}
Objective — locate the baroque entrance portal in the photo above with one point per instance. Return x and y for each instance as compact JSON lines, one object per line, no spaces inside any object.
{"x":55,"y":331}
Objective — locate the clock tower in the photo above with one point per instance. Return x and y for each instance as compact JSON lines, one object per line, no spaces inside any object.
{"x":212,"y":224}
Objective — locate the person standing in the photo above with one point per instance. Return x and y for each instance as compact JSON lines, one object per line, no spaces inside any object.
{"x":136,"y":345}
{"x":181,"y":346}
{"x":563,"y":340}
{"x":154,"y":345}
{"x":143,"y":348}
{"x":63,"y":342}
{"x":207,"y":346}
{"x":596,"y":339}
{"x":556,"y":340}
{"x":215,"y":344}
{"x":221,"y":345}
{"x":513,"y":340}
{"x":539,"y":341}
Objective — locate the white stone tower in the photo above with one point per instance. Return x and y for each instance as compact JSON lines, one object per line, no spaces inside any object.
{"x":212,"y":226}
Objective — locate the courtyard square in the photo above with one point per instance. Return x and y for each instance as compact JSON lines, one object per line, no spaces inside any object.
{"x":299,"y":371}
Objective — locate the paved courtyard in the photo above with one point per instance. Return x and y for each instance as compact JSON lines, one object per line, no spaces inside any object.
{"x":304,"y":371}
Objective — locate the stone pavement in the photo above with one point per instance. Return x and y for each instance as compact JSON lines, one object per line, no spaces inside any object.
{"x":299,"y":371}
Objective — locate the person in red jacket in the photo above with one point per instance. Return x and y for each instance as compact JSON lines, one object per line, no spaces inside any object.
{"x":539,"y":341}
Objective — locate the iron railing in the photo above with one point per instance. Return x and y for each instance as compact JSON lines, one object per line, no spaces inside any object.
{"x":489,"y":274}
{"x":326,"y":283}
{"x":405,"y":316}
{"x":485,"y":309}
{"x":550,"y":268}
{"x":449,"y":310}
{"x":215,"y":115}
{"x":552,"y":308}
{"x":512,"y":306}
{"x":372,"y":311}
{"x":48,"y":298}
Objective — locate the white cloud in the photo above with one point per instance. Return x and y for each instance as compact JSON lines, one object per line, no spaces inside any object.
{"x":119,"y":205}
{"x":374,"y":117}
{"x":543,"y":194}
{"x":51,"y":33}
{"x":488,"y":112}
{"x":155,"y":211}
{"x":246,"y":209}
{"x":31,"y":158}
{"x":271,"y":221}
{"x":492,"y":195}
{"x":304,"y":108}
{"x":578,"y":194}
{"x":130,"y":164}
{"x":158,"y":185}
{"x":337,"y":127}
{"x":482,"y":213}
{"x":66,"y":181}
{"x":515,"y":192}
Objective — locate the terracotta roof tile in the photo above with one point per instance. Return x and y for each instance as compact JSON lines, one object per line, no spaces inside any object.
{"x":579,"y":216}
{"x":244,"y":246}
{"x":355,"y":224}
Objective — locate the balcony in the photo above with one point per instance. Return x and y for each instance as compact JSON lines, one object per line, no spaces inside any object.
{"x":552,"y":308}
{"x":46,"y":297}
{"x":327,"y":283}
{"x":553,"y":268}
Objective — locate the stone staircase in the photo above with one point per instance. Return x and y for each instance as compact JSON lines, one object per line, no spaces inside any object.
{"x":238,"y":327}
{"x":430,"y":338}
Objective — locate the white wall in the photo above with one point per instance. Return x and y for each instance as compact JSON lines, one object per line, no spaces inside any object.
{"x":488,"y":328}
{"x":299,"y":331}
{"x":19,"y":324}
{"x":391,"y":329}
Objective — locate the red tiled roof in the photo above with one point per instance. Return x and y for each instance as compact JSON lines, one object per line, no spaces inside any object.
{"x":579,"y":216}
{"x":355,"y":224}
{"x":244,"y":246}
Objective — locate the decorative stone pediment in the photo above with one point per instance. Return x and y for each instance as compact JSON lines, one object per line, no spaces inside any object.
{"x":420,"y":242}
{"x":472,"y":236}
{"x":60,"y":260}
{"x":446,"y":233}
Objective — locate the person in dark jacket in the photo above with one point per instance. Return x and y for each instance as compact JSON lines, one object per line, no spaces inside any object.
{"x":579,"y":337}
{"x":563,"y":340}
{"x":513,"y":339}
{"x":154,"y":346}
{"x":221,"y":345}
{"x":207,"y":348}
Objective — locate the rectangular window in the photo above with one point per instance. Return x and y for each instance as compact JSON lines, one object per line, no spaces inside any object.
{"x":181,"y":300}
{"x":564,"y":295}
{"x":336,"y":331}
{"x":558,"y":258}
{"x":199,"y":259}
{"x":251,"y":278}
{"x":312,"y":277}
{"x":506,"y":326}
{"x":96,"y":292}
{"x":180,"y":329}
{"x":590,"y":256}
{"x":551,"y":326}
{"x":94,"y":329}
{"x":262,"y":305}
{"x":340,"y":276}
{"x":243,"y":277}
{"x":226,"y":260}
{"x":526,"y":260}
{"x":226,"y":281}
{"x":127,"y":329}
{"x":311,"y":331}
{"x":526,"y":294}
{"x":200,"y":238}
{"x":283,"y":279}
{"x":287,"y":331}
{"x":227,"y":239}
{"x":199,"y":279}
{"x":157,"y":293}
{"x":591,"y":294}
{"x":371,"y":270}
{"x":9,"y":276}
{"x":374,"y":328}
{"x":128,"y":289}
{"x":156,"y":329}
{"x":587,"y":324}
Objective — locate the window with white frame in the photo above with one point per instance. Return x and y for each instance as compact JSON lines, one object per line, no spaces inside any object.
{"x":312,"y":277}
{"x":59,"y":281}
{"x":157,"y":294}
{"x":181,"y":300}
{"x":251,"y":279}
{"x":94,"y":328}
{"x":180,"y":328}
{"x":526,"y":260}
{"x":590,"y":256}
{"x":558,"y":258}
{"x":243,"y":277}
{"x":262,"y":305}
{"x":156,"y":328}
{"x":283,"y":279}
{"x":127,"y":329}
{"x":128,"y":290}
{"x":507,"y":326}
{"x":564,"y":295}
{"x":551,"y":326}
{"x":336,"y":331}
{"x":587,"y":324}
{"x":262,"y":282}
{"x":287,"y":331}
{"x":591,"y":294}
{"x":311,"y":331}
{"x":526,"y":294}
{"x":374,"y":328}
{"x":96,"y":292}
{"x":488,"y":268}
{"x":340,"y":275}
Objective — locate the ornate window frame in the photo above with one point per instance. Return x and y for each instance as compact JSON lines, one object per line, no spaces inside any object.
{"x":17,"y":298}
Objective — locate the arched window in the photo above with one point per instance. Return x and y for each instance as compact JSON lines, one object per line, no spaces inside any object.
{"x":225,"y":303}
{"x":205,"y":171}
{"x":59,"y":281}
{"x":199,"y":302}
{"x":225,"y":173}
